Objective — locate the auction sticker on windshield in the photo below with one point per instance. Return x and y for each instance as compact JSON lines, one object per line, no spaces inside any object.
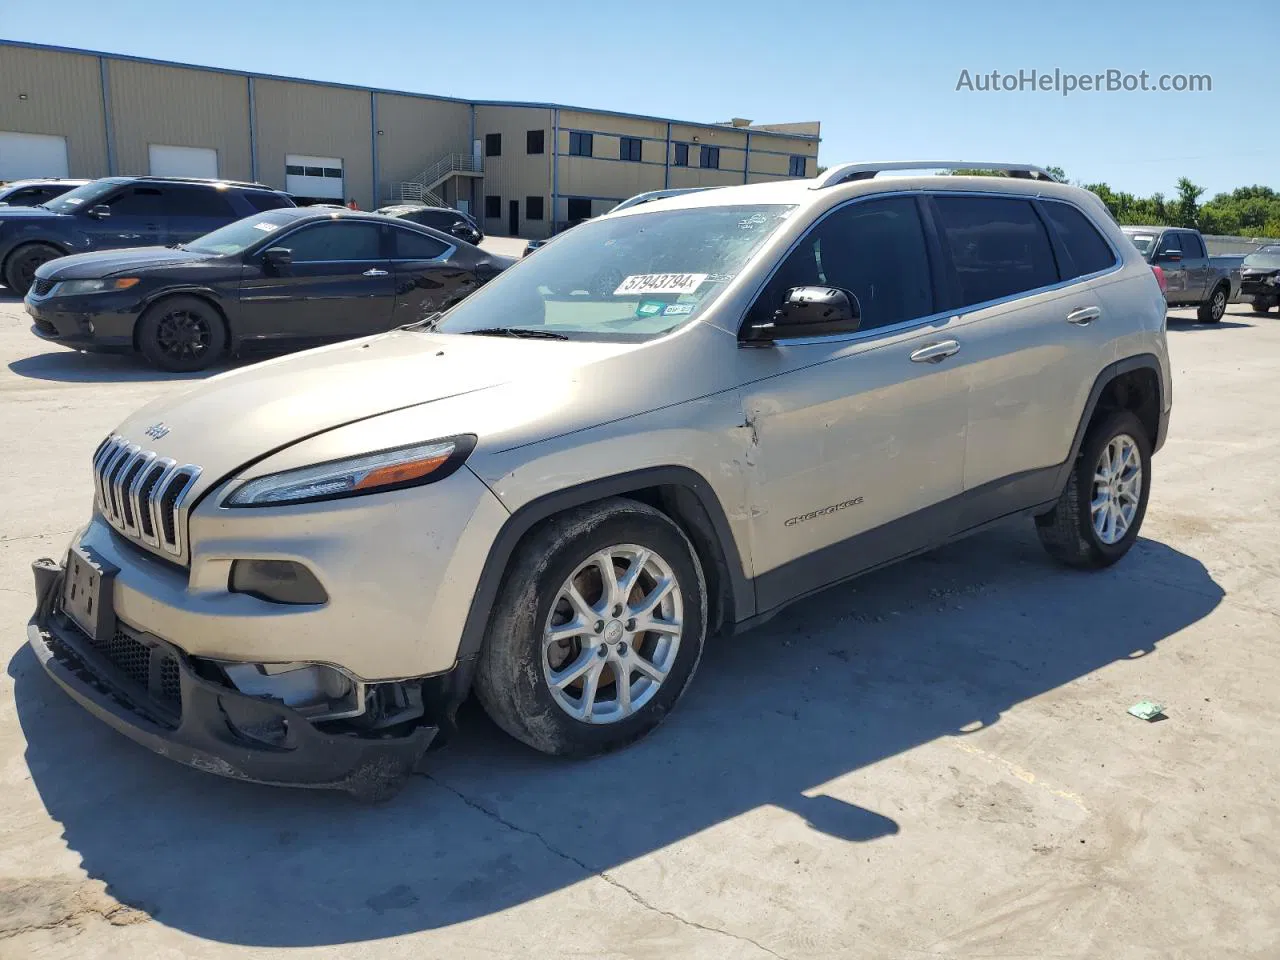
{"x":660,"y":283}
{"x":266,"y":227}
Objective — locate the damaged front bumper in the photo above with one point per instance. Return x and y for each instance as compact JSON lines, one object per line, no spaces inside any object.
{"x":181,"y":715}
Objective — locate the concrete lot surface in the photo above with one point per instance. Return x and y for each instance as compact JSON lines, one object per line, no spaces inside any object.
{"x":934,"y":761}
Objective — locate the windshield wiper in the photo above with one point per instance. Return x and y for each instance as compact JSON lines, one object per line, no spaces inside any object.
{"x":530,"y":333}
{"x":426,"y":324}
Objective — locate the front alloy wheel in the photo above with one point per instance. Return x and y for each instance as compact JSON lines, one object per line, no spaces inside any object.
{"x":613,"y":634}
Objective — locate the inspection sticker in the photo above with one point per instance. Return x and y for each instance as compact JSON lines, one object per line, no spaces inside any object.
{"x":649,"y":308}
{"x":676,"y":309}
{"x":660,"y":283}
{"x":266,"y":227}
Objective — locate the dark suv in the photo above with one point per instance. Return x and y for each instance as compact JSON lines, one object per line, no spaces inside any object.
{"x":122,"y":212}
{"x":445,"y":219}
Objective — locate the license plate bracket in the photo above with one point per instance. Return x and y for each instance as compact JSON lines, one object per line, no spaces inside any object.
{"x":88,"y":590}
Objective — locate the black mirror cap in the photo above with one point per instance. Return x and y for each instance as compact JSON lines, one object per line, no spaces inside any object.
{"x":813,"y":311}
{"x":278,"y":256}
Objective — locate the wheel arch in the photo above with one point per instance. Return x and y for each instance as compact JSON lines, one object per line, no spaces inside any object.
{"x":21,"y":245}
{"x":1134,"y":383}
{"x":679,"y":492}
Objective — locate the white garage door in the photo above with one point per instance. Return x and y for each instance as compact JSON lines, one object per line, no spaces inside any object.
{"x":319,"y":177}
{"x":167,"y":161}
{"x":32,"y":155}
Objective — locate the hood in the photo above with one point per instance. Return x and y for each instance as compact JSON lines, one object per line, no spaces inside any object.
{"x":1261,"y":261}
{"x":26,"y":213}
{"x":104,"y":263}
{"x":243,"y":415}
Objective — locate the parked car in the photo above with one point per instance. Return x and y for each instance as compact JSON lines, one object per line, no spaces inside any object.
{"x":294,"y":276}
{"x":32,"y":193}
{"x":445,"y":219}
{"x":1260,"y":277}
{"x":670,"y":423}
{"x":122,"y":212}
{"x":638,"y":199}
{"x":1192,"y":277}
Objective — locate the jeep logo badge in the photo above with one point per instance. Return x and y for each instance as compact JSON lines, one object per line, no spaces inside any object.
{"x":158,"y":430}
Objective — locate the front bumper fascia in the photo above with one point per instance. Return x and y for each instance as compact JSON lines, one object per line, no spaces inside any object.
{"x":205,"y":735}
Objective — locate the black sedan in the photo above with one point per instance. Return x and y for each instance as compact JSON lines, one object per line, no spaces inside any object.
{"x":445,"y":219}
{"x":296,"y":276}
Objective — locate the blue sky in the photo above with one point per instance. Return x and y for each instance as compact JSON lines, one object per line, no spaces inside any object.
{"x":881,"y":77}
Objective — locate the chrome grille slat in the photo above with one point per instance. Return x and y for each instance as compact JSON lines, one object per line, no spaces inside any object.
{"x":142,"y":495}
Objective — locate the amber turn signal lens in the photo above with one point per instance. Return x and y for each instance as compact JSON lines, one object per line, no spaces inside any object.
{"x":124,"y":283}
{"x":400,"y":472}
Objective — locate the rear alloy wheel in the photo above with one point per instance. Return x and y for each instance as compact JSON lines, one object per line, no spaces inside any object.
{"x":1211,"y":310}
{"x":20,"y":271}
{"x":181,"y":334}
{"x":597,"y":629}
{"x":1097,"y":517}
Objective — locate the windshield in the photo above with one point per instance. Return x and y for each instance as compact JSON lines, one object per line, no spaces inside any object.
{"x":624,"y":278}
{"x":241,"y":235}
{"x":81,"y":197}
{"x":1142,"y":241}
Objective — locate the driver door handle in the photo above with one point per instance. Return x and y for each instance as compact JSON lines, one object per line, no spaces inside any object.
{"x":1084,"y":316}
{"x":374,"y":272}
{"x":935,"y":352}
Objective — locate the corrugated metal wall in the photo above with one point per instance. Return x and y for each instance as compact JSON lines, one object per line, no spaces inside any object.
{"x":63,"y":98}
{"x":516,"y":174}
{"x":180,"y":107}
{"x":415,"y":134}
{"x":317,"y":121}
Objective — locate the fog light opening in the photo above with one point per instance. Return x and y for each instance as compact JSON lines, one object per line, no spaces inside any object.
{"x":276,"y":581}
{"x":316,"y":691}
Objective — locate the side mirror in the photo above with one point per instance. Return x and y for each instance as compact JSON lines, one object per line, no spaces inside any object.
{"x":278,"y":258}
{"x":808,"y":312}
{"x":100,"y":212}
{"x":1171,"y":256}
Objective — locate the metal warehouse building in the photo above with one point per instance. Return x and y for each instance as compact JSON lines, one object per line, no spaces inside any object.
{"x":519,"y":168}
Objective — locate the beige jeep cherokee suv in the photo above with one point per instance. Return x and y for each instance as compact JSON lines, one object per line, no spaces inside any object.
{"x":670,"y":423}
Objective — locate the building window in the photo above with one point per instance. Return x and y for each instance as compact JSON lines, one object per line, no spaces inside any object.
{"x":682,"y":155}
{"x":493,"y":208}
{"x":579,"y":209}
{"x":493,"y":144}
{"x":629,"y":149}
{"x":533,"y":206}
{"x":533,"y":141}
{"x":797,"y":167}
{"x":710,"y":158}
{"x":579,"y":144}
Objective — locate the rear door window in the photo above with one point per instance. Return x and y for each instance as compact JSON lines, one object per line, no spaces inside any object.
{"x":999,"y":247}
{"x":874,"y":249}
{"x":1088,"y":251}
{"x":1192,"y":246}
{"x":261,"y":200}
{"x":197,"y":202}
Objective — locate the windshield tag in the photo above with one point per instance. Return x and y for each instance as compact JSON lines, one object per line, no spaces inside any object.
{"x":265,"y":227}
{"x":677,"y":309}
{"x":660,"y":283}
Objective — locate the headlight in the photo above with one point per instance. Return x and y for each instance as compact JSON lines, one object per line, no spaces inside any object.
{"x":70,"y":288}
{"x":384,"y":470}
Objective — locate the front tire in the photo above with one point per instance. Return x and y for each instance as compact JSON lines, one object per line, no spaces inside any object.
{"x":20,"y":270}
{"x":1096,"y":519}
{"x":181,"y":334}
{"x":597,"y":629}
{"x":1213,"y":309}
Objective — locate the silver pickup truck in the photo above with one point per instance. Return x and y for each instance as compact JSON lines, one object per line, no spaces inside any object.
{"x":1192,"y":277}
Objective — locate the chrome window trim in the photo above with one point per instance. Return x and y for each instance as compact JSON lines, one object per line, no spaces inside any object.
{"x":944,"y":315}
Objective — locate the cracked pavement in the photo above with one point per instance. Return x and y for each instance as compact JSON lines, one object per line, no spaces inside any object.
{"x":934,"y":761}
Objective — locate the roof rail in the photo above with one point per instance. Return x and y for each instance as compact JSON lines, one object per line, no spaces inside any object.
{"x":846,"y":172}
{"x":223,"y":180}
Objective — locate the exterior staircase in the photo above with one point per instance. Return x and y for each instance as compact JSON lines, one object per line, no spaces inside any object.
{"x":422,"y":188}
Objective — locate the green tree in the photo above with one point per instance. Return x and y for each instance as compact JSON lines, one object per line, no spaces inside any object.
{"x":1186,"y":212}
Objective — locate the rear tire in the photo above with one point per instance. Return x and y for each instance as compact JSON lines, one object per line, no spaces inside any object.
{"x":552,"y":665}
{"x":1075,"y":531}
{"x":181,"y":334}
{"x":1212,"y":310}
{"x":1263,"y":306}
{"x":20,"y":269}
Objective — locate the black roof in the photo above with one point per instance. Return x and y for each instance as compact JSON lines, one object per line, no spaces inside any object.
{"x":213,"y":181}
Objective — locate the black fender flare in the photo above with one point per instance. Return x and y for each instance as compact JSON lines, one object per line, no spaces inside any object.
{"x":1141,"y":361}
{"x":713,"y":524}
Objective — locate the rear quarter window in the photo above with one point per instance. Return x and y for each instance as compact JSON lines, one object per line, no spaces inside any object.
{"x":261,"y":200}
{"x":999,"y":247}
{"x":1087,"y":250}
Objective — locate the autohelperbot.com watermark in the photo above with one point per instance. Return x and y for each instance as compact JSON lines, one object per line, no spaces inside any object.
{"x":1065,"y":83}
